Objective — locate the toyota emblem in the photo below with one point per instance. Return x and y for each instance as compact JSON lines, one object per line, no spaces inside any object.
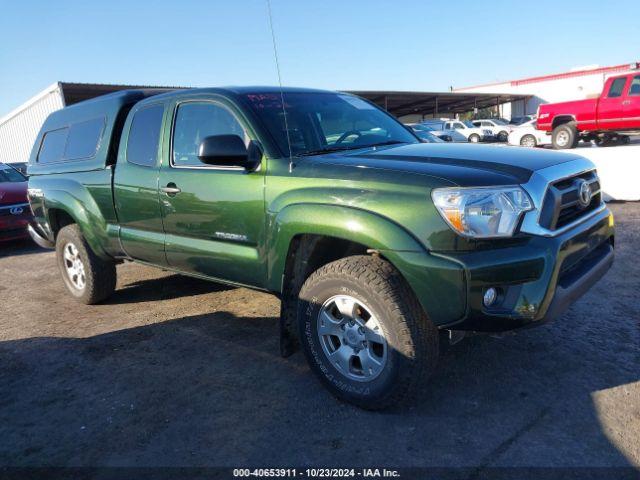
{"x":584,"y":193}
{"x":16,"y":210}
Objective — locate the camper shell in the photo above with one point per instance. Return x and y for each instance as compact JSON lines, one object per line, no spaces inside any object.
{"x":84,"y":136}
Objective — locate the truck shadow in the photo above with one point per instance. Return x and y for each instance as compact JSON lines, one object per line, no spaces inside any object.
{"x":211,"y":390}
{"x":163,"y":288}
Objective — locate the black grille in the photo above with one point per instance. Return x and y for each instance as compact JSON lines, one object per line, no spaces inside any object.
{"x":561,"y":204}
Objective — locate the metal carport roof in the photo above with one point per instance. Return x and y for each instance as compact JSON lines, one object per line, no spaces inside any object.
{"x":432,"y":103}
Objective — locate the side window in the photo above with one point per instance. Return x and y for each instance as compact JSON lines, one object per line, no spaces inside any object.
{"x":144,"y":136}
{"x":458,"y":126}
{"x":195,"y":121}
{"x":616,"y":87}
{"x":53,"y":145}
{"x":634,"y":89}
{"x":84,"y":138}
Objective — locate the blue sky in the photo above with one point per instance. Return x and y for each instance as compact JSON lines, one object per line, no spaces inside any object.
{"x":398,"y":45}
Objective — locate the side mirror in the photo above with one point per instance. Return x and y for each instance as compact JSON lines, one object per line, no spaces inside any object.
{"x":224,"y":151}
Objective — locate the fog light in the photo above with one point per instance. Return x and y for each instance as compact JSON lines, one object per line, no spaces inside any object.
{"x":490,"y":297}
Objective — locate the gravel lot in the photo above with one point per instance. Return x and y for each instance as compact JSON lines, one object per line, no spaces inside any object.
{"x":174,"y":371}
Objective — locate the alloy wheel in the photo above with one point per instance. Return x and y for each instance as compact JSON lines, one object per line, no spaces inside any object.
{"x":74,"y":266}
{"x":352,"y":338}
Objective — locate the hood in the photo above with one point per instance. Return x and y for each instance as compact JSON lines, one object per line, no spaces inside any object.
{"x":13,"y":192}
{"x":461,"y":164}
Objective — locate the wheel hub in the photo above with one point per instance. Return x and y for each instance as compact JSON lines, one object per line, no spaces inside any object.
{"x":74,"y":266}
{"x":352,"y":338}
{"x":562,"y":138}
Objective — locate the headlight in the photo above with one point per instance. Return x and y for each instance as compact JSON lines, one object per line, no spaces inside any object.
{"x":482,"y":212}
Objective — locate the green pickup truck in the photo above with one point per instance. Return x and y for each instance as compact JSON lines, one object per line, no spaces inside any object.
{"x":379,"y":246}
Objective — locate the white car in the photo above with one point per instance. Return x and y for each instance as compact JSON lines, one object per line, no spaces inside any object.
{"x":499,"y":128}
{"x":435,"y":129}
{"x":469,"y":130}
{"x":459,"y":130}
{"x":526,"y":135}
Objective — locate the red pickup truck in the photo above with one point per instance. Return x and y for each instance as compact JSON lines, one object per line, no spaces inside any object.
{"x":603,"y":119}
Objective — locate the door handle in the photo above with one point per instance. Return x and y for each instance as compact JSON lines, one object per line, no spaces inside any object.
{"x":626,"y":102}
{"x":171,"y":189}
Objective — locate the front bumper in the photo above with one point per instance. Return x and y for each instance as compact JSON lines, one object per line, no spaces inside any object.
{"x":537,"y":280}
{"x":538,"y":277}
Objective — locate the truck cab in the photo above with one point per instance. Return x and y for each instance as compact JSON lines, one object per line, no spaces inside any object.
{"x":605,"y":119}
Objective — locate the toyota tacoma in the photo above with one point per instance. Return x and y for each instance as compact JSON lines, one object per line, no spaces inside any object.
{"x":380,"y":247}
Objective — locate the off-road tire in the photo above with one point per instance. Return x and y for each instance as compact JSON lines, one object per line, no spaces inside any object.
{"x":100,"y":274}
{"x":566,"y":131}
{"x":474,"y":138}
{"x":412,"y":340}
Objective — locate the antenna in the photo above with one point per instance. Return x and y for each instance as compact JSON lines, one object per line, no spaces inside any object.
{"x":284,"y":110}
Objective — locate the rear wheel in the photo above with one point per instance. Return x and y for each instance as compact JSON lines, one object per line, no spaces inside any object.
{"x":474,"y":138}
{"x":87,"y":277}
{"x":528,"y":141}
{"x":564,"y":136}
{"x":364,"y":333}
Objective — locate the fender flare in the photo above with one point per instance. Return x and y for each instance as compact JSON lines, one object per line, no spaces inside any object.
{"x":438,"y":283}
{"x":348,"y":223}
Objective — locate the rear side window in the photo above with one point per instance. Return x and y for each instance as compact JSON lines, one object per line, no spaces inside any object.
{"x":616,"y":87}
{"x":53,"y":145}
{"x":83,"y":139}
{"x":634,"y":89}
{"x":77,"y":141}
{"x":144,"y":136}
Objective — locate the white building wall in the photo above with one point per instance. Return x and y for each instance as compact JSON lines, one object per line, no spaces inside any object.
{"x":19,"y":128}
{"x":547,"y":90}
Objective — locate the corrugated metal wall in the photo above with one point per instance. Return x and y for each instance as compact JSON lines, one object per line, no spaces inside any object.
{"x":19,"y":131}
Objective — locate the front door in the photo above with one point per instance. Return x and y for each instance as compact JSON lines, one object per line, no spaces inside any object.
{"x":631,"y":105}
{"x":214,"y":217}
{"x":610,"y":106}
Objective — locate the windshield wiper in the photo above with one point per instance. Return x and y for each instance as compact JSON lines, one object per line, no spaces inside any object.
{"x":389,"y":142}
{"x":347,"y":147}
{"x":320,"y":151}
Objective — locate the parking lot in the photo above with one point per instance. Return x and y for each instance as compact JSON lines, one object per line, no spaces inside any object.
{"x":176,"y":371}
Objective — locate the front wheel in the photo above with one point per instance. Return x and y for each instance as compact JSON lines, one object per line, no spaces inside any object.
{"x":528,"y":141}
{"x":364,"y":333}
{"x":88,"y":278}
{"x":474,"y":138}
{"x":503,"y":136}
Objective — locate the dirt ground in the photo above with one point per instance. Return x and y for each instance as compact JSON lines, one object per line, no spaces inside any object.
{"x":173,"y":371}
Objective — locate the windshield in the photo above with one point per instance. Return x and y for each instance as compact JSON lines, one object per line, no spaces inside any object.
{"x":323,"y":122}
{"x":432,"y":127}
{"x":429,"y":137}
{"x":469,"y":124}
{"x":8,"y":174}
